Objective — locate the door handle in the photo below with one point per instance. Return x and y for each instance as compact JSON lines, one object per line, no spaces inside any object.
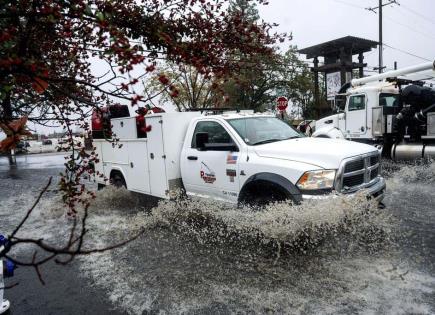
{"x":192,"y":158}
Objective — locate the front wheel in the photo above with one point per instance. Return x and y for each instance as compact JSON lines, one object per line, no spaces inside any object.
{"x":260,"y":196}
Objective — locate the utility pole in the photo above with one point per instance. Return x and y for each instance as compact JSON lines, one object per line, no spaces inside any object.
{"x":373,"y":9}
{"x":381,"y":50}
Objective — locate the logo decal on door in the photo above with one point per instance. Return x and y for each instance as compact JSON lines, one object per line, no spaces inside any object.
{"x":207,"y":174}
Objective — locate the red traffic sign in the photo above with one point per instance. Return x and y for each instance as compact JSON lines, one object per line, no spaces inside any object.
{"x":282,"y":103}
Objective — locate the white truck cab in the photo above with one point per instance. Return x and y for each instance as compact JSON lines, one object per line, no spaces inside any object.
{"x":235,"y":157}
{"x":359,"y":118}
{"x":394,"y":113}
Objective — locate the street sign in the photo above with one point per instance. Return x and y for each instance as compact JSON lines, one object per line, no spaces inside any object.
{"x":282,"y":103}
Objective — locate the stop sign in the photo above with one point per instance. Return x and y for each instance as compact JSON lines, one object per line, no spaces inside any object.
{"x":282,"y":103}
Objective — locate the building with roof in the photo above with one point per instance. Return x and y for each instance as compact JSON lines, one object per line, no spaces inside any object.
{"x":338,"y":65}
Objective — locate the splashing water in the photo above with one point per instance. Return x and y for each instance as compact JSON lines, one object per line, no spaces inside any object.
{"x":278,"y":226}
{"x":202,"y":256}
{"x":338,"y":256}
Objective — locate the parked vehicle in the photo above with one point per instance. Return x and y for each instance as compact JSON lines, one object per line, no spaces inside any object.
{"x":239,"y":157}
{"x":22,"y":147}
{"x":395,"y":115}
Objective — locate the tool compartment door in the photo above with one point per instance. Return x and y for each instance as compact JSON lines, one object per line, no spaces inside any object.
{"x":138,"y":171}
{"x":156,"y":158}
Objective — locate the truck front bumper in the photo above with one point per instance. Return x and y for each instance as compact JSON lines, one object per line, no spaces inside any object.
{"x":376,"y":191}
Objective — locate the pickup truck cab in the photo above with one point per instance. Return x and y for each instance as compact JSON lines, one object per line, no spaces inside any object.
{"x":235,"y":157}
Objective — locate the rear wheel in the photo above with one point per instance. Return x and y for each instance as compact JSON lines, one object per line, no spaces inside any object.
{"x":118,"y":180}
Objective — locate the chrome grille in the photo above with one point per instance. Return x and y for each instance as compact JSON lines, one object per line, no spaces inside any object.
{"x":353,"y":166}
{"x":374,"y":160}
{"x":374,"y":174}
{"x":354,"y":180}
{"x":358,"y":172}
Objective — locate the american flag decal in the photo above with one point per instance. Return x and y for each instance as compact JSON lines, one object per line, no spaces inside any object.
{"x":231,"y":159}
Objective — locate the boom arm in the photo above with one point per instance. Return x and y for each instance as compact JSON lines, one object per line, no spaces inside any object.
{"x":395,"y":73}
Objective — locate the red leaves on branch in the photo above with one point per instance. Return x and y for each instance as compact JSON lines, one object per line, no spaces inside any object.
{"x":47,"y":49}
{"x":39,"y":85}
{"x":14,"y":131}
{"x":150,"y":68}
{"x":163,"y":79}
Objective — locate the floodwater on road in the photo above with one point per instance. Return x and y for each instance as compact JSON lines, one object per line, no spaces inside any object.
{"x":202,"y":257}
{"x":34,"y":161}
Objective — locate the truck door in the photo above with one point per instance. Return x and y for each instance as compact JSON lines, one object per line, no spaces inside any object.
{"x":210,"y":168}
{"x":356,"y":116}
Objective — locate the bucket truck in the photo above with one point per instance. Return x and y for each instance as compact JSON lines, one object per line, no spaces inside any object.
{"x":396,"y":115}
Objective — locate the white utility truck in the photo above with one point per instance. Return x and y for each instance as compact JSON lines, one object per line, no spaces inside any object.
{"x":238,"y":157}
{"x":396,"y":115}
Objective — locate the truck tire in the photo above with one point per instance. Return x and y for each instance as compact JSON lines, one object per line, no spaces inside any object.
{"x":260,"y":194}
{"x":117,"y":179}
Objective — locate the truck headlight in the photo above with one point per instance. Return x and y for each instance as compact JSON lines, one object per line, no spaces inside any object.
{"x":312,"y":180}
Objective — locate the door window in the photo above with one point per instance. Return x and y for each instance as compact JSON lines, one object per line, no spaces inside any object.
{"x":388,"y":100}
{"x":216,"y":133}
{"x":357,"y":102}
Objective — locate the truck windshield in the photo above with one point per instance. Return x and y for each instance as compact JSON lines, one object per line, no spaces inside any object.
{"x":262,"y":130}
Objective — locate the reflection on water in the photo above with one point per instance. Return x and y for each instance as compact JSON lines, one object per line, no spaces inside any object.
{"x":34,"y":161}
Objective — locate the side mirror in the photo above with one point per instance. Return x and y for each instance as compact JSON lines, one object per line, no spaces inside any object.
{"x":201,"y":139}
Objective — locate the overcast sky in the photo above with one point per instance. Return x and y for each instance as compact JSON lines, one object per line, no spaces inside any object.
{"x":409,"y":27}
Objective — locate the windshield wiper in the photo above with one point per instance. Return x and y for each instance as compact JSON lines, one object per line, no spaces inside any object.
{"x":292,"y":137}
{"x":274,"y":140}
{"x":267,"y":141}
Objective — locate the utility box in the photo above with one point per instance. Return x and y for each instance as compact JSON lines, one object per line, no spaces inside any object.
{"x":124,"y":128}
{"x":149,"y":165}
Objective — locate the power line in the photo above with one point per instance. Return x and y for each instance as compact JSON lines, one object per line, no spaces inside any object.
{"x":408,"y":53}
{"x":429,"y":35}
{"x":419,"y":14}
{"x":349,"y":4}
{"x":381,"y":5}
{"x":404,"y":25}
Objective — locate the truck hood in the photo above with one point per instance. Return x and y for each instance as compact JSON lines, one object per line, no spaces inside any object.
{"x":321,"y":152}
{"x":321,"y":122}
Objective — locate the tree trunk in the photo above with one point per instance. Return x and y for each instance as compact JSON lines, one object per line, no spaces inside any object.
{"x":12,"y":158}
{"x":7,"y":116}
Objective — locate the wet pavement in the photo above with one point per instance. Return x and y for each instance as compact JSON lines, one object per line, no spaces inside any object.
{"x":65,"y":291}
{"x":201,"y":257}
